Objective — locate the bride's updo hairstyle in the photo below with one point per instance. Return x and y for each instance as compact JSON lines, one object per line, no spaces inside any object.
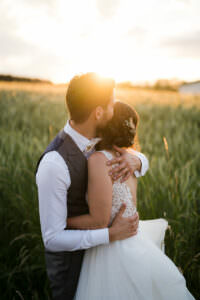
{"x":121,"y":129}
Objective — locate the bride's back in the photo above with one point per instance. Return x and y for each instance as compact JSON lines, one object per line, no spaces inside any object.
{"x":123,"y":192}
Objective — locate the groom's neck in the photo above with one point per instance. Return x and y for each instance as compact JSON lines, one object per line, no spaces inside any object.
{"x":87,"y":129}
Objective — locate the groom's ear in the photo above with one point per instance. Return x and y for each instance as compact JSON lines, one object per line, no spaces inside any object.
{"x":98,"y":112}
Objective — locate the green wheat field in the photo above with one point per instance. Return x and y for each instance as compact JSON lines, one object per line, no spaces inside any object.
{"x":169,"y":135}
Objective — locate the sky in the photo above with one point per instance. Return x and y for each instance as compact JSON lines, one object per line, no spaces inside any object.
{"x":129,"y":40}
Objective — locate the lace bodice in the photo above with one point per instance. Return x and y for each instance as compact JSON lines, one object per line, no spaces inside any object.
{"x":121,"y":194}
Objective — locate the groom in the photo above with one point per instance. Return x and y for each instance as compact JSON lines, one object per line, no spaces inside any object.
{"x":62,"y":183}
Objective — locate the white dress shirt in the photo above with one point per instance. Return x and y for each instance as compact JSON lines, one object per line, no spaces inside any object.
{"x":53,"y":182}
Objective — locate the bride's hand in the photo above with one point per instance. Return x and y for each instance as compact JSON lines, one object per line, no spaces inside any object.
{"x":128,"y":163}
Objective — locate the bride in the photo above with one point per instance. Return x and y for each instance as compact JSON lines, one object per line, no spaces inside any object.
{"x":136,"y":268}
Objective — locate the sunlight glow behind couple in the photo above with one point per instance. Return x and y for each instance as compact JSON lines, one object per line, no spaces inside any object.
{"x":127,"y":40}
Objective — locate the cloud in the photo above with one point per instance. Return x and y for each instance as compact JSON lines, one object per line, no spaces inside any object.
{"x":53,"y":38}
{"x":107,"y":8}
{"x":187,"y":45}
{"x":48,"y":6}
{"x":137,"y":33}
{"x":20,"y":57}
{"x":13,"y":45}
{"x":42,"y":64}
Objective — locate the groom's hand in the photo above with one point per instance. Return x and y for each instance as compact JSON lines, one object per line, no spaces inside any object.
{"x":128,"y":163}
{"x":123,"y":228}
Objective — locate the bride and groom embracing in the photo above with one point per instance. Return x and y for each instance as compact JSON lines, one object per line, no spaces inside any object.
{"x":87,"y":182}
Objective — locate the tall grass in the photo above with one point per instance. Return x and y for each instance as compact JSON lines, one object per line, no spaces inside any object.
{"x":169,"y":136}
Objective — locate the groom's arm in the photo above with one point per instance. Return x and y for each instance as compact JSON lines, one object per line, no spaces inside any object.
{"x":130,"y":162}
{"x":53,"y":181}
{"x":143,"y":163}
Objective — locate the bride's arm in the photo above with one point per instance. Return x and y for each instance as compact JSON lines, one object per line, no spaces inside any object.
{"x":99,"y":196}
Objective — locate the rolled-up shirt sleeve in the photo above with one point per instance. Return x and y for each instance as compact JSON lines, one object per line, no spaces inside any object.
{"x":53,"y":181}
{"x":144,"y":161}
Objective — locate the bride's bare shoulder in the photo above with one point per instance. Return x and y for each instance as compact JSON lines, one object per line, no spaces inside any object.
{"x":97,"y":167}
{"x":97,"y":158}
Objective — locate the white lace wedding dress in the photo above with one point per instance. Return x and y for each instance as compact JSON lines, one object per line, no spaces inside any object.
{"x":136,"y":268}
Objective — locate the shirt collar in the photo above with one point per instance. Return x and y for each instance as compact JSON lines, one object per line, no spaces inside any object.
{"x":80,"y":140}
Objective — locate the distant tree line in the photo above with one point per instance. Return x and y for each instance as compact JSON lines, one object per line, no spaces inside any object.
{"x":23,"y":79}
{"x":161,"y":84}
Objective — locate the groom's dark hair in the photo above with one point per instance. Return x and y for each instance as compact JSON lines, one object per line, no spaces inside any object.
{"x":85,"y":92}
